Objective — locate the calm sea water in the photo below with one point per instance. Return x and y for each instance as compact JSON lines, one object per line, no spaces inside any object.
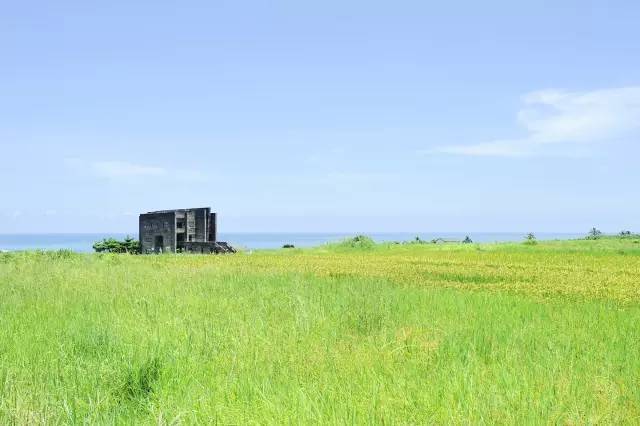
{"x":84,"y":242}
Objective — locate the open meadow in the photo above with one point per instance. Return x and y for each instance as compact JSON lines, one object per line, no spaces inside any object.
{"x":411,"y":333}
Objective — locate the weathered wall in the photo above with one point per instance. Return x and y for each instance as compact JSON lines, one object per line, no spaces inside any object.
{"x":191,"y":225}
{"x":201,"y":216}
{"x":157,"y":224}
{"x":213,"y":227}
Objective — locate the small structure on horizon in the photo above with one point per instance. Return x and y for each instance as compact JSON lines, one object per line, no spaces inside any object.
{"x":181,"y":230}
{"x":445,"y":241}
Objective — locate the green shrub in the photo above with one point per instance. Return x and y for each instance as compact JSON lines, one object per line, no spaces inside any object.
{"x":359,"y":241}
{"x":111,"y":245}
{"x":418,"y":240}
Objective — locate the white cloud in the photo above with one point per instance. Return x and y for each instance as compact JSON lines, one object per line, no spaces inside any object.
{"x":564,"y":119}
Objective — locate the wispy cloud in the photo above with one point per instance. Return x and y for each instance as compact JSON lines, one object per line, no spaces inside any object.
{"x":561,"y":119}
{"x":123,"y":170}
{"x":118,"y":169}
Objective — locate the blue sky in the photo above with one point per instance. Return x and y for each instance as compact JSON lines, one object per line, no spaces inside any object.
{"x":326,"y":116}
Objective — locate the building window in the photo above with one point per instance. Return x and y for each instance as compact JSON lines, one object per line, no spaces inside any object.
{"x":190,"y":237}
{"x":180,"y":224}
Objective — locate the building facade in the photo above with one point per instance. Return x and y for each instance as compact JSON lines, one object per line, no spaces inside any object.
{"x":188,"y":230}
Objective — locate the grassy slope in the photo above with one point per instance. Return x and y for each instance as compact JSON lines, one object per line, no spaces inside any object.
{"x":409,"y":334}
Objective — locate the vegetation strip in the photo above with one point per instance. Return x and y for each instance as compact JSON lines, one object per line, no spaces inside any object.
{"x":359,"y":332}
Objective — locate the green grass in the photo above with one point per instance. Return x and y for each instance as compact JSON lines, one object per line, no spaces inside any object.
{"x":497,"y":333}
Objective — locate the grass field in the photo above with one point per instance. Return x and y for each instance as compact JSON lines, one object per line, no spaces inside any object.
{"x":495,"y":333}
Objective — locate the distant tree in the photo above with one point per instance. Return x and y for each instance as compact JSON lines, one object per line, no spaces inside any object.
{"x":594,"y":233}
{"x":467,"y":240}
{"x":625,"y":233}
{"x":530,"y":239}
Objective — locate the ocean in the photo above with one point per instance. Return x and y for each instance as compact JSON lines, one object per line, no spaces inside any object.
{"x":253,"y":241}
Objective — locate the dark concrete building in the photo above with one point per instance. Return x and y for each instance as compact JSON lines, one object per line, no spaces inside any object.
{"x":182,"y":230}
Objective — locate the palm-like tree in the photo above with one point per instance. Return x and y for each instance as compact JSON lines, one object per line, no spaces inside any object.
{"x":595,"y":232}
